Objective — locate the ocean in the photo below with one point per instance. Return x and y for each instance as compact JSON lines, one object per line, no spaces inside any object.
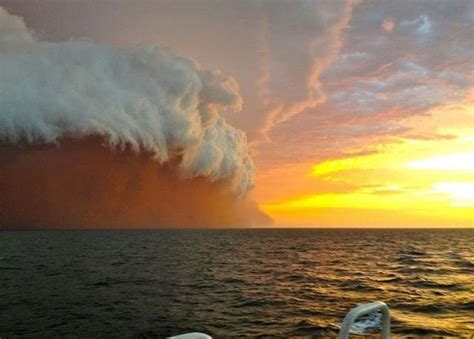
{"x":234,"y":282}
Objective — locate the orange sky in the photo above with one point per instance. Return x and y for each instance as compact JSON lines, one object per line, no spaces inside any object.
{"x":406,"y":183}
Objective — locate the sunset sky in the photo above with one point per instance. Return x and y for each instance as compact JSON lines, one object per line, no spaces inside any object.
{"x":358,"y":113}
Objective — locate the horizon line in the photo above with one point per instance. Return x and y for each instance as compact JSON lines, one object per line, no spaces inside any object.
{"x":243,"y":228}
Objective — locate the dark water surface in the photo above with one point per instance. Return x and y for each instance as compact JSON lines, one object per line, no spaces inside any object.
{"x":233,"y":283}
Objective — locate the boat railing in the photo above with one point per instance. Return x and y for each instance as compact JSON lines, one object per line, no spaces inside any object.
{"x":362,"y":310}
{"x":346,"y":326}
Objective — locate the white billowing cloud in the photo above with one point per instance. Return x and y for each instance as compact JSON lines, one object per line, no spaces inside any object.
{"x":12,"y":28}
{"x":145,"y":98}
{"x":275,"y":49}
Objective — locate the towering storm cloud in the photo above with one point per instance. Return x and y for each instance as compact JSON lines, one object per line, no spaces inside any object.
{"x":277,"y":50}
{"x":92,"y":135}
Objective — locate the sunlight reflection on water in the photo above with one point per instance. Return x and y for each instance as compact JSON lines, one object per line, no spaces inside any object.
{"x":233,"y":282}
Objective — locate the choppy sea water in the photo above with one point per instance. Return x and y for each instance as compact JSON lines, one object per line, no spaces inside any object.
{"x":233,"y":283}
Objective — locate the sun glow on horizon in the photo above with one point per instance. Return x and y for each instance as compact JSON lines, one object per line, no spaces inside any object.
{"x":406,"y":183}
{"x":461,"y":193}
{"x":451,"y":162}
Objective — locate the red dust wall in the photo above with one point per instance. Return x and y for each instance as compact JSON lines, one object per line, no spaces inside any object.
{"x":85,"y":184}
